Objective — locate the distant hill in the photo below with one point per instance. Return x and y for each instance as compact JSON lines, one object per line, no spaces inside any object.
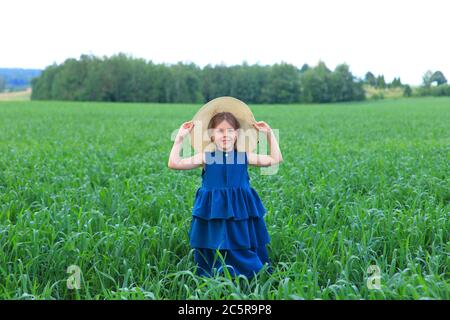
{"x":16,"y":78}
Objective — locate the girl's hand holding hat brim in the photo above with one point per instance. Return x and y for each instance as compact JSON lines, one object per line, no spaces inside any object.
{"x":185,"y":128}
{"x":262,"y":126}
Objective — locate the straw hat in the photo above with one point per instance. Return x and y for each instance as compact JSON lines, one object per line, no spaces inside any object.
{"x":247,"y":134}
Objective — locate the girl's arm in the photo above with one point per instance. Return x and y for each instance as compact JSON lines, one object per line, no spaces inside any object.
{"x":262,"y":160}
{"x":175,"y":161}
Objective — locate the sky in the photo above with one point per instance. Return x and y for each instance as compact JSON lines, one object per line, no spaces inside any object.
{"x":396,"y":38}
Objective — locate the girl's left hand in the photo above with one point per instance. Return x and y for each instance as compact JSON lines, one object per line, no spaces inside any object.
{"x":262,"y":126}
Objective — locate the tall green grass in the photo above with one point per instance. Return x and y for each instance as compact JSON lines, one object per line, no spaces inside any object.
{"x":361,"y":184}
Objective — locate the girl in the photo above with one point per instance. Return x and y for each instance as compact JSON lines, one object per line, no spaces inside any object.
{"x":227,"y":217}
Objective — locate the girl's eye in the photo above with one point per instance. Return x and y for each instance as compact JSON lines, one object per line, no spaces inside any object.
{"x":222,"y":130}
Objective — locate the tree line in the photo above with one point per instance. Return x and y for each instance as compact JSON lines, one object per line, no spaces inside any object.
{"x":433,"y":84}
{"x":127,"y":79}
{"x":379,"y":82}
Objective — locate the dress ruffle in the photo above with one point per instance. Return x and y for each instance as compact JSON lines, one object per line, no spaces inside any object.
{"x":228,"y":234}
{"x":237,"y":203}
{"x":245,"y":262}
{"x":228,"y":214}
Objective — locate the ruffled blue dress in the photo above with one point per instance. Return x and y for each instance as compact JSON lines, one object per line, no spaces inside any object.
{"x":228,"y":216}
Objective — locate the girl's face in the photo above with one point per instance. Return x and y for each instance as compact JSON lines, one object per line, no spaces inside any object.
{"x":224,"y":136}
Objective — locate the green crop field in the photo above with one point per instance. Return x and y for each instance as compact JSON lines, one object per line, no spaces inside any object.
{"x":87,"y":185}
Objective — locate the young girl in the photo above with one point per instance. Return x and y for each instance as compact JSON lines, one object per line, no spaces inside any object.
{"x":227,"y":215}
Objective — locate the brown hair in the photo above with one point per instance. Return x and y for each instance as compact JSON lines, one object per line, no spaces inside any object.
{"x":224,"y":116}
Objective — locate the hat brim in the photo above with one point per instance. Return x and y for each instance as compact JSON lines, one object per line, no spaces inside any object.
{"x":247,"y":134}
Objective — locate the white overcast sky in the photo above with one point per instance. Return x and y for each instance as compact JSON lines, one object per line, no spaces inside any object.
{"x":391,"y":37}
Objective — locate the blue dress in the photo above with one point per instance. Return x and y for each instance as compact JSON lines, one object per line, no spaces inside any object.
{"x":228,"y":215}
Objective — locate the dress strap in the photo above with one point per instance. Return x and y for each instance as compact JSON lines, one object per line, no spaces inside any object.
{"x":206,"y":153}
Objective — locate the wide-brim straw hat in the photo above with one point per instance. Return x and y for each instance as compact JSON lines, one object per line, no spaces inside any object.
{"x":247,"y":134}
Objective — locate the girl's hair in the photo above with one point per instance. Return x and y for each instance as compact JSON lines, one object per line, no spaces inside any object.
{"x":224,"y":116}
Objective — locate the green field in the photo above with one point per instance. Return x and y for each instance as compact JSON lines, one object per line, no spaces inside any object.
{"x":87,"y":184}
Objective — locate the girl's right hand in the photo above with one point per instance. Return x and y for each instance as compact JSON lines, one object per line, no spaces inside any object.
{"x":185,"y":128}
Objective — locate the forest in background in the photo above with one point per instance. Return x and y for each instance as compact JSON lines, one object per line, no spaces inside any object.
{"x":123,"y":78}
{"x":126,"y":79}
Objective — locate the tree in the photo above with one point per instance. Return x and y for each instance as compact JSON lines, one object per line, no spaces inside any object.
{"x":43,"y":85}
{"x":370,"y":79}
{"x":407,"y":92}
{"x":248,"y":81}
{"x":344,"y":86}
{"x":283,"y":85}
{"x":316,"y":84}
{"x":186,"y":82}
{"x":426,"y":78}
{"x":396,"y":83}
{"x":304,"y":68}
{"x":381,"y":83}
{"x":438,"y":77}
{"x":216,"y":81}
